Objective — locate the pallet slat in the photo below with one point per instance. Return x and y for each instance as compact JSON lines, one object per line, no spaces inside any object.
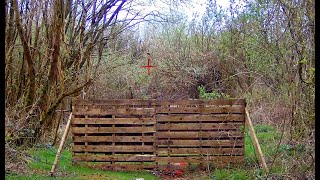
{"x":139,"y":121}
{"x":197,"y":126}
{"x":114,"y":138}
{"x":201,"y":118}
{"x":117,"y":158}
{"x":106,"y":148}
{"x":121,"y":102}
{"x":201,"y":110}
{"x":123,"y":167}
{"x":193,"y":143}
{"x":202,"y":159}
{"x":90,"y":130}
{"x":212,"y":134}
{"x":154,"y":102}
{"x":107,"y":111}
{"x":204,"y":151}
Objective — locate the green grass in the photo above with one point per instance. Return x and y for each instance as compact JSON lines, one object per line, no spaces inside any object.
{"x":268,"y":136}
{"x":43,"y":160}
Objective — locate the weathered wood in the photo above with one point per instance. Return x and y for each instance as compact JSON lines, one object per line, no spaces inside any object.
{"x":202,"y":118}
{"x":195,"y":143}
{"x":153,"y":102}
{"x":116,"y":158}
{"x":255,"y":141}
{"x":64,"y":136}
{"x":114,"y":138}
{"x":212,"y":134}
{"x":200,"y":159}
{"x":113,"y":121}
{"x":203,"y":102}
{"x":197,"y":126}
{"x":201,"y":110}
{"x":196,"y":131}
{"x":107,"y":148}
{"x":204,"y":151}
{"x":107,"y":111}
{"x":135,"y":102}
{"x":123,"y":167}
{"x":90,"y":130}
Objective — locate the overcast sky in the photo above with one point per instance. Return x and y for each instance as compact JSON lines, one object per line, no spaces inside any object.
{"x":199,"y":6}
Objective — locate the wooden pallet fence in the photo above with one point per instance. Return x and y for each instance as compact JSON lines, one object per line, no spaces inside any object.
{"x":119,"y":133}
{"x":148,"y":134}
{"x":199,"y":132}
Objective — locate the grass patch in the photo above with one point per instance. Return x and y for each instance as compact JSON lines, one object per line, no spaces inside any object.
{"x":268,"y":136}
{"x":43,"y":160}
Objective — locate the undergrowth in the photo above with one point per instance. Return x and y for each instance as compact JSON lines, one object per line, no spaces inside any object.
{"x":43,"y":157}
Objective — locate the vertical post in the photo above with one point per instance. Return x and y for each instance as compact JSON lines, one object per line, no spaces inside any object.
{"x":86,"y":143}
{"x":113,"y":136}
{"x":155,"y":135}
{"x":61,"y":145}
{"x":255,"y":141}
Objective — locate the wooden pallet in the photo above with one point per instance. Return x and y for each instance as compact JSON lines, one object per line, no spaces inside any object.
{"x":149,"y":134}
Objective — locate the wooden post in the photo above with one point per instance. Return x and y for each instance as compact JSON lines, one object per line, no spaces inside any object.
{"x":61,"y":145}
{"x":255,"y":141}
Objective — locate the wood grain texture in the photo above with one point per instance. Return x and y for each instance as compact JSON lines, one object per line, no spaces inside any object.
{"x":201,"y":118}
{"x":201,"y":110}
{"x":106,"y":148}
{"x":116,"y":158}
{"x":138,"y":121}
{"x":114,"y":138}
{"x":124,"y":167}
{"x":211,"y":135}
{"x":204,"y":151}
{"x":255,"y":141}
{"x":197,"y":126}
{"x":194,"y":131}
{"x":90,"y":130}
{"x":202,"y":159}
{"x":196,"y":143}
{"x":107,"y":111}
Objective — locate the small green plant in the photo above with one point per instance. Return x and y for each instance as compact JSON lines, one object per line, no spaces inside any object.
{"x":212,"y":95}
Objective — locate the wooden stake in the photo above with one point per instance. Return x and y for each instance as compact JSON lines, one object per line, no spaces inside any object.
{"x":255,"y":141}
{"x":61,"y":145}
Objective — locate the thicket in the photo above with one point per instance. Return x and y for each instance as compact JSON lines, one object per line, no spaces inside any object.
{"x":58,"y":50}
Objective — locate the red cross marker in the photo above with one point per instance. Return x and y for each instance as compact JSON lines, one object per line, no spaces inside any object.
{"x":149,"y":66}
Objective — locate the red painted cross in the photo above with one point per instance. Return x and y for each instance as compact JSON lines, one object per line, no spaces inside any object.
{"x":149,"y":66}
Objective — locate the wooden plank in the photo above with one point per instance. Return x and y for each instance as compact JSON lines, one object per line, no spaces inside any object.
{"x":193,"y":143}
{"x":64,"y":136}
{"x":113,"y":121}
{"x":212,"y":134}
{"x":255,"y":141}
{"x":203,"y":102}
{"x":201,"y":110}
{"x":197,"y":126}
{"x":116,"y":158}
{"x":160,"y":102}
{"x":123,"y":167}
{"x":204,"y":151}
{"x":200,"y":159}
{"x":202,"y":118}
{"x":106,"y":148}
{"x":108,"y":111}
{"x":114,"y":139}
{"x":89,"y":130}
{"x":203,"y":166}
{"x":121,"y":102}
